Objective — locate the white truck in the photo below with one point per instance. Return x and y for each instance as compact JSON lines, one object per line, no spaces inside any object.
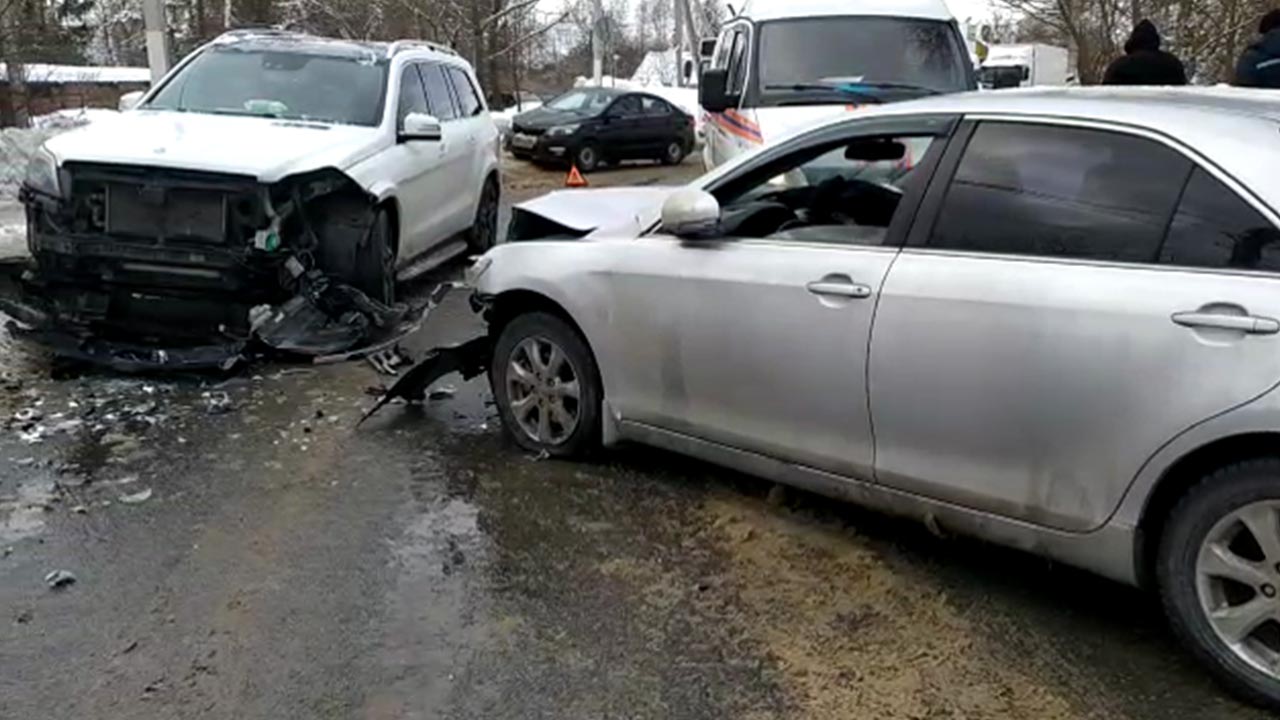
{"x":781,"y":65}
{"x":1025,"y":65}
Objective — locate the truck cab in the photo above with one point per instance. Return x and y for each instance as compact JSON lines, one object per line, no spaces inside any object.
{"x":1024,"y":65}
{"x":781,"y":65}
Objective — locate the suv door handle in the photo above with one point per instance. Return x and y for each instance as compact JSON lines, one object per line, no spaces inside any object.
{"x":842,"y":288}
{"x":1250,"y":324}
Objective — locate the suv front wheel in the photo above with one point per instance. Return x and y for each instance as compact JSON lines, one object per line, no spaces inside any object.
{"x":1219,"y":576}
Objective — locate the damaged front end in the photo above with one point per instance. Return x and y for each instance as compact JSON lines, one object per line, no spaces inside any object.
{"x":144,"y":268}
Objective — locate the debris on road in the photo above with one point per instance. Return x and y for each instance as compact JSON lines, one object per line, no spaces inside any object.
{"x":443,"y":392}
{"x":217,"y":403}
{"x":136,"y":498}
{"x":59,"y":579}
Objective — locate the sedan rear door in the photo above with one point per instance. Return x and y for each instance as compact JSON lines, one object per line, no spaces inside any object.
{"x":1072,"y":299}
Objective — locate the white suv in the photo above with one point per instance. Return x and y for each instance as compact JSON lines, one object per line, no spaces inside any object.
{"x":260,"y":152}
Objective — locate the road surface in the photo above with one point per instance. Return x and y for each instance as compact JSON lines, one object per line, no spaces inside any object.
{"x":242,"y":550}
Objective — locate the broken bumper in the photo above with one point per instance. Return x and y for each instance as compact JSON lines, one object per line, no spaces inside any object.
{"x":139,"y":269}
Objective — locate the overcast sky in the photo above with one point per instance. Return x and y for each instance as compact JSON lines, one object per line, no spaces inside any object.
{"x":964,"y":9}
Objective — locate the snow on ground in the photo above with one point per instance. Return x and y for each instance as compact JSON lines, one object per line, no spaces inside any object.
{"x":13,"y":230}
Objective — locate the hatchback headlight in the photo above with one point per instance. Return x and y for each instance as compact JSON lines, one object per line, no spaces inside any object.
{"x":42,"y":173}
{"x":562,"y":130}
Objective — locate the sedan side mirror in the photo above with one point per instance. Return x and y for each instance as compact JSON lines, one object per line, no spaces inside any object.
{"x":419,"y":126}
{"x":691,"y":214}
{"x":130,"y":100}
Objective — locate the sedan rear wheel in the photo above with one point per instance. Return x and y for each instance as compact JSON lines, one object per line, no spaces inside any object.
{"x":1219,"y":576}
{"x":546,"y":386}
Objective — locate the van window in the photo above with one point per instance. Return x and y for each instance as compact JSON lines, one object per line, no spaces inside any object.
{"x":863,"y":51}
{"x":737,"y":62}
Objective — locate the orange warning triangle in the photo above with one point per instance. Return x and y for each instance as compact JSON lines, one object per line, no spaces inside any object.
{"x":575,"y":178}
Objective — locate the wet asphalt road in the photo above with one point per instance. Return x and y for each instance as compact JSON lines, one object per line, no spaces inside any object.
{"x":290,"y":565}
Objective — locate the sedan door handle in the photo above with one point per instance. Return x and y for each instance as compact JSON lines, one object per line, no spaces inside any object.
{"x":836,"y":287}
{"x":1244,"y":323}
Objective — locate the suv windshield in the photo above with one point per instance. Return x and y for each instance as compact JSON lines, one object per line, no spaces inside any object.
{"x":871,"y":50}
{"x":589,"y":101}
{"x":279,"y":83}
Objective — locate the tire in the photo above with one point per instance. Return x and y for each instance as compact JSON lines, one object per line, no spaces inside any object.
{"x":484,"y":231}
{"x":1212,"y":512}
{"x":374,"y":271}
{"x":674,"y":153}
{"x":522,"y":417}
{"x":587,"y":157}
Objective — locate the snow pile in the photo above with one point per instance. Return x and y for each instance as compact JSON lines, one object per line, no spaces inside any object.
{"x":59,"y":74}
{"x":71,"y":118}
{"x":17,"y":145}
{"x":608,"y":81}
{"x":657,"y":68}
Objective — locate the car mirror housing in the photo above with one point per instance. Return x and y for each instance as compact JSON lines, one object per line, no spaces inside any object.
{"x":691,"y":214}
{"x":419,"y":126}
{"x":712,"y":91}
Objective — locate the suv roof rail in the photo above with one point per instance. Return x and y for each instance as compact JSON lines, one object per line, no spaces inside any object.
{"x":399,"y":45}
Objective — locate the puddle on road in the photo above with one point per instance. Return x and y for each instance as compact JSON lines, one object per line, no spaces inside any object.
{"x":24,"y":514}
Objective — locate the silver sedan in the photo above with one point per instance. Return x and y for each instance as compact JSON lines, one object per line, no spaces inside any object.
{"x":1048,"y":319}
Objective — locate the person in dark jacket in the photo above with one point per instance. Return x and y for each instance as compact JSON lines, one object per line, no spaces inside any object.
{"x":1143,"y":62}
{"x":1259,"y":64}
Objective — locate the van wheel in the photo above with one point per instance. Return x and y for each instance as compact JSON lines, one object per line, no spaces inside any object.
{"x":1218,"y":571}
{"x":546,"y":386}
{"x":374,"y":273}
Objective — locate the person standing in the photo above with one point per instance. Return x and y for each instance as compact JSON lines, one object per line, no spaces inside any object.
{"x":1143,"y":62}
{"x":1259,"y":64}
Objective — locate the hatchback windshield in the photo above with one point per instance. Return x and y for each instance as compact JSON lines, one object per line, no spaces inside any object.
{"x":284,"y":84}
{"x":870,"y":50}
{"x":588,"y":101}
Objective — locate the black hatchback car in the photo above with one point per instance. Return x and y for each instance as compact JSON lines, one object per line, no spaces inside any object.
{"x":592,"y":126}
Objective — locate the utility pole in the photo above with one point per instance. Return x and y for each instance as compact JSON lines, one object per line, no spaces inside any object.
{"x":597,"y":42}
{"x":679,"y":41}
{"x":157,"y":38}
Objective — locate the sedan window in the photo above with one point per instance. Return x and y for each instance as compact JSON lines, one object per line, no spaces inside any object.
{"x":1215,"y":228}
{"x":1053,"y":191}
{"x":846,"y":193}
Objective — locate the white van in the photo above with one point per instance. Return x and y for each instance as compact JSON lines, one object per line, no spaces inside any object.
{"x":783,"y":64}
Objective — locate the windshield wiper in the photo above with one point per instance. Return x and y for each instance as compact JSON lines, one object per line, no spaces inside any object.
{"x":843,"y":90}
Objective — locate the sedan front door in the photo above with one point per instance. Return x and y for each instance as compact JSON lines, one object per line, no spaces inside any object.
{"x":758,"y":340}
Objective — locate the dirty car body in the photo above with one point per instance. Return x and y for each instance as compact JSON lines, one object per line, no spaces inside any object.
{"x":266,"y":166}
{"x":901,"y":310}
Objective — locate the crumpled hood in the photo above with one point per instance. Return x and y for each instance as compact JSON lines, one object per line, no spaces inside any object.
{"x":616,"y":212}
{"x":265,"y":148}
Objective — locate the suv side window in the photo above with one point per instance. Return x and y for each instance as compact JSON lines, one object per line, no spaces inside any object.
{"x":1215,"y":228}
{"x":1027,"y":189}
{"x":412,"y":97}
{"x":466,"y":92}
{"x":438,"y":96}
